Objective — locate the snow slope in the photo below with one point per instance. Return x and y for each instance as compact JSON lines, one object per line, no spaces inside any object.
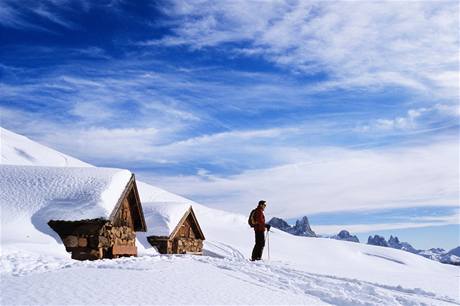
{"x":301,"y":270}
{"x":19,"y":150}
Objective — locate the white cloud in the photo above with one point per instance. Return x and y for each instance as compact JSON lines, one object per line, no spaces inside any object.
{"x":373,"y":43}
{"x":412,"y":222}
{"x":415,"y":120}
{"x":12,"y":15}
{"x":225,"y":138}
{"x":151,"y":145}
{"x":448,"y":219}
{"x":43,"y":11}
{"x":15,"y":14}
{"x":104,"y":145}
{"x":171,"y":109}
{"x":365,"y":228}
{"x":331,"y":179}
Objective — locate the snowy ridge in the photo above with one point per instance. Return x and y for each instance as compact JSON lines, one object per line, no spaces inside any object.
{"x":302,"y":270}
{"x":19,"y":150}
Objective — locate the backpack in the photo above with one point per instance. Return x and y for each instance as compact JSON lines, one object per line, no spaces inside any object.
{"x":251,"y":220}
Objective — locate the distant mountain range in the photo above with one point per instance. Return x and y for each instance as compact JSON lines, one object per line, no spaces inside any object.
{"x":393,"y":242}
{"x":438,"y":254}
{"x":302,"y":228}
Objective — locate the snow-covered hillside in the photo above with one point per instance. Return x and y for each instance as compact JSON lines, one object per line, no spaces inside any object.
{"x":301,"y":270}
{"x":19,"y":150}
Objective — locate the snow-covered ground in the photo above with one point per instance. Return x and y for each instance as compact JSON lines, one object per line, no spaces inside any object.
{"x":301,"y":270}
{"x":160,"y":279}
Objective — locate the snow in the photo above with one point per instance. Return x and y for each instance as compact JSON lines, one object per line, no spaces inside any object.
{"x":33,"y":195}
{"x":197,"y":280}
{"x":301,"y":270}
{"x":19,"y":150}
{"x":147,"y":280}
{"x":162,"y":210}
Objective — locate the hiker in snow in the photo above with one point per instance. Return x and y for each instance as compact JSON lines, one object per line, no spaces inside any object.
{"x":257,"y":221}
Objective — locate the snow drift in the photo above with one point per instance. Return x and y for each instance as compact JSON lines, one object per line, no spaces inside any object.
{"x":32,"y":196}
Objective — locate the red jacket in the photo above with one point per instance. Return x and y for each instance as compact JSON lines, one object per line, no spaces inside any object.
{"x":259,"y":217}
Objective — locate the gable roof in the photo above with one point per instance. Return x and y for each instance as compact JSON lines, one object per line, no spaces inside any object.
{"x":31,"y":196}
{"x":131,"y":189}
{"x":188,"y":213}
{"x":164,"y":210}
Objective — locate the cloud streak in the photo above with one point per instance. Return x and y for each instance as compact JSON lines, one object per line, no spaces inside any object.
{"x":359,"y":44}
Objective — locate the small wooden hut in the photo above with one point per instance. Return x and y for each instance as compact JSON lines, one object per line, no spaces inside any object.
{"x":105,"y":238}
{"x":186,"y":238}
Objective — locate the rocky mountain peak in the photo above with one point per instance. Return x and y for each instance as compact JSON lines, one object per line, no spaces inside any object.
{"x":346,"y":236}
{"x":279,"y":224}
{"x":377,"y":240}
{"x":301,"y":227}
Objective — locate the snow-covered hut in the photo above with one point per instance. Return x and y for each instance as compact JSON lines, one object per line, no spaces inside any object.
{"x":185,"y":238}
{"x":95,"y":212}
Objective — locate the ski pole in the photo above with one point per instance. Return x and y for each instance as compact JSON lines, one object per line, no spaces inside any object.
{"x":268,"y":244}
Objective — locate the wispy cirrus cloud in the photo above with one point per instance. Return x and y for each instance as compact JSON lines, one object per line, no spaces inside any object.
{"x":30,"y":15}
{"x":359,"y":44}
{"x":197,"y":118}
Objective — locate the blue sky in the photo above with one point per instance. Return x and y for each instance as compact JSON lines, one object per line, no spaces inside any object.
{"x":346,"y":112}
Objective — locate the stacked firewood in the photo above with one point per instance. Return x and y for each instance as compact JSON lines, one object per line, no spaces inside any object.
{"x":116,"y":235}
{"x":185,"y":245}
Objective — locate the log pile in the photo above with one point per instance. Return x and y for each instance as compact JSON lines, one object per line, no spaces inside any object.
{"x":188,"y":245}
{"x":116,"y":235}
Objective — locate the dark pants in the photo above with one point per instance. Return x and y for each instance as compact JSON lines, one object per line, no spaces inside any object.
{"x":259,"y":246}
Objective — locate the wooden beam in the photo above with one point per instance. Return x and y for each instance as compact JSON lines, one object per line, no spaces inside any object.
{"x":124,"y":250}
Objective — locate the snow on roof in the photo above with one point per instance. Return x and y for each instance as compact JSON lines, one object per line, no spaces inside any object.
{"x":19,"y":150}
{"x":30,"y":196}
{"x":162,"y":210}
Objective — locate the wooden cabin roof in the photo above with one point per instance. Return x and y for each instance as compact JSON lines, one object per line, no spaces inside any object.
{"x":188,"y":213}
{"x":132,"y":194}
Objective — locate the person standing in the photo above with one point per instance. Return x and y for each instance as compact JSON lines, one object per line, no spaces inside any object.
{"x":258,"y":220}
